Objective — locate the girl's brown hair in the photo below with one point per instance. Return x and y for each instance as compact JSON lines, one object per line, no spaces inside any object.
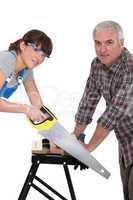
{"x":34,"y":36}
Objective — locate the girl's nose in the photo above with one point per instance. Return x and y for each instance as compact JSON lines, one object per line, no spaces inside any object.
{"x":40,"y":56}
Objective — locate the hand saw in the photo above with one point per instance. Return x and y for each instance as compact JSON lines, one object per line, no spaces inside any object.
{"x":51,"y":129}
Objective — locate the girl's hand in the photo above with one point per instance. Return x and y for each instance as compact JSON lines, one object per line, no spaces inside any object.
{"x":34,"y":113}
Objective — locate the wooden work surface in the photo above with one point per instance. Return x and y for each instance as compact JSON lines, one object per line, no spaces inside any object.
{"x":53,"y":150}
{"x":46,"y":157}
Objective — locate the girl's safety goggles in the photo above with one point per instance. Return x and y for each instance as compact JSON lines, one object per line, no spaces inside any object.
{"x":37,"y":49}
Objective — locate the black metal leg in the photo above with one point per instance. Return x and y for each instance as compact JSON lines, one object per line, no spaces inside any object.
{"x":42,"y":192}
{"x":29,"y":180}
{"x":70,"y":185}
{"x":50,"y":188}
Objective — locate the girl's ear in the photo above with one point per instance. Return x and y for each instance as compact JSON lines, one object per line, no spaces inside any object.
{"x":22,"y":46}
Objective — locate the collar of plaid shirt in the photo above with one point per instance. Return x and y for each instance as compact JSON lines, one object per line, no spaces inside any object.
{"x":123,"y":57}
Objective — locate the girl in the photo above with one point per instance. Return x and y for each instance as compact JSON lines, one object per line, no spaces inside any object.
{"x":16,"y":67}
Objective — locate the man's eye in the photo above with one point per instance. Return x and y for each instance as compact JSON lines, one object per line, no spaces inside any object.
{"x":109,"y":42}
{"x":97,"y":43}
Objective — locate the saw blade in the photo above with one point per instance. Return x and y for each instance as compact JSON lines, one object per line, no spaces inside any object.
{"x":62,"y":138}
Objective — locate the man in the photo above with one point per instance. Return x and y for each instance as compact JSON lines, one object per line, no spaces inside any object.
{"x":111,"y":76}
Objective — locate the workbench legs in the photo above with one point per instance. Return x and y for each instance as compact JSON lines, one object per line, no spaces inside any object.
{"x":32,"y":175}
{"x":29,"y":181}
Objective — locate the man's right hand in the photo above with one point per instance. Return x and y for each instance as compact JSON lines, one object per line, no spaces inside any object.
{"x":81,"y":166}
{"x":79,"y":128}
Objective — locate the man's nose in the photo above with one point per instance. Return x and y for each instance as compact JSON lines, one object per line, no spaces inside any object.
{"x":103,"y":48}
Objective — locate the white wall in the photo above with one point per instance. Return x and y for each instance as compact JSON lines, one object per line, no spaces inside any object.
{"x":61,"y":82}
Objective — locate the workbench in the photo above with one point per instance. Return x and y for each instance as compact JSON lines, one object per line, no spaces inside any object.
{"x":51,"y":159}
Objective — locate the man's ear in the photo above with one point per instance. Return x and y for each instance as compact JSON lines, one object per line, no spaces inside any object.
{"x":22,"y":46}
{"x":122,"y":42}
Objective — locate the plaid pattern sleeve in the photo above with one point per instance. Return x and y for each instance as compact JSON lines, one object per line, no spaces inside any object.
{"x":89,"y":100}
{"x":119,"y":106}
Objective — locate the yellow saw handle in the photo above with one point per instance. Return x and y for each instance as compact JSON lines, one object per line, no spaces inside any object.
{"x":47,"y":123}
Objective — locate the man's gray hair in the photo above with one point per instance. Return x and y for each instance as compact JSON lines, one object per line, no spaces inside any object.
{"x":109,"y":25}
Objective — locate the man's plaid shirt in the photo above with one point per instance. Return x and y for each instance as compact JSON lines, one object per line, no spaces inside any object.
{"x":115,"y":84}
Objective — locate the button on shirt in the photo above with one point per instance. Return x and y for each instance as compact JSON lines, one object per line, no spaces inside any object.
{"x":115,"y":84}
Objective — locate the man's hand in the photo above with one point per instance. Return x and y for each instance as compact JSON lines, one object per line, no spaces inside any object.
{"x":81,"y":165}
{"x":79,"y":128}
